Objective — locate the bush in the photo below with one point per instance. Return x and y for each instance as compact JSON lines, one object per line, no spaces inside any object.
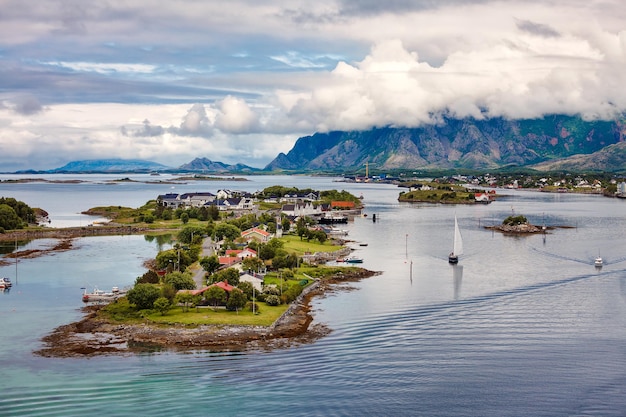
{"x":252,"y":306}
{"x":162,"y":305}
{"x":272,"y":300}
{"x":292,"y":293}
{"x":271,"y":291}
{"x":515,"y":220}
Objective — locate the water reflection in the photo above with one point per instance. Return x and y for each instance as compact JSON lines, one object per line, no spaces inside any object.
{"x":457,"y":276}
{"x":161,"y":240}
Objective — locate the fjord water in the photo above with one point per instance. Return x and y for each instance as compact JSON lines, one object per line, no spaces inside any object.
{"x":521,"y":326}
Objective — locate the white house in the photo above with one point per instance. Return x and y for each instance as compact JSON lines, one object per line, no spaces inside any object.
{"x":254,"y":279}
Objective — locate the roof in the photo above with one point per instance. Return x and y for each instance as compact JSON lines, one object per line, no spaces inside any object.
{"x":344,"y":204}
{"x":223,"y":285}
{"x":228,"y":260}
{"x":255,"y":230}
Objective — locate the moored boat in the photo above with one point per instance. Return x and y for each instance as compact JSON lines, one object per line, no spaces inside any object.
{"x":6,"y":282}
{"x":98,"y":295}
{"x":354,"y":260}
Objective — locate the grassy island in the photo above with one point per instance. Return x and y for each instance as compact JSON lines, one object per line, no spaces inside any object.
{"x":431,"y":192}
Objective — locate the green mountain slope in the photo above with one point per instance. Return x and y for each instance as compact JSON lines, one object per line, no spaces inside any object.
{"x":467,"y":143}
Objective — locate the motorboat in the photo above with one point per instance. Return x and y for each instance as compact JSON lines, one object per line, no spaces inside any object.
{"x":598,"y":262}
{"x":98,"y":295}
{"x":354,"y":260}
{"x":6,"y":282}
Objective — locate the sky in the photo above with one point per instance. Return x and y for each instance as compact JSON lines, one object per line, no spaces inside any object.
{"x":240,"y":81}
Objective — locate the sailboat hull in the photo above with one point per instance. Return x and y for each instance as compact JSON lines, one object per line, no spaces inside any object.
{"x":453,"y":259}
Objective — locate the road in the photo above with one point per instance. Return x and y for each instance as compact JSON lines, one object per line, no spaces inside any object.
{"x":207,"y":250}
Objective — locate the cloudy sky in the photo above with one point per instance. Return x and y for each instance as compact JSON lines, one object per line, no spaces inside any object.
{"x":241,"y":80}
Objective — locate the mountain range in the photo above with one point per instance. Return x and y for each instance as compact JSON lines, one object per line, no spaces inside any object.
{"x":488,"y":144}
{"x":553,"y":143}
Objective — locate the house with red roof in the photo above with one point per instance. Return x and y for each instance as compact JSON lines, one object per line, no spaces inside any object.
{"x":342,"y":205}
{"x":241,"y":253}
{"x":257,"y":234}
{"x":228,"y":260}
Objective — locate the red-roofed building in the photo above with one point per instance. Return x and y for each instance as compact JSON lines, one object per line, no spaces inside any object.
{"x":347,"y":205}
{"x":241,"y":253}
{"x":256,"y":234}
{"x":223,"y":285}
{"x":228,"y":260}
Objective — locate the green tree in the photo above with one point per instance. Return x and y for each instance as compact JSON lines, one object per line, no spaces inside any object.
{"x":230,"y":275}
{"x":143,"y":295}
{"x":252,"y":263}
{"x":149,"y":277}
{"x":180,"y":280}
{"x":210,"y":264}
{"x":286,"y":223}
{"x":215,"y":296}
{"x":178,"y":257}
{"x":168,"y":291}
{"x":187,"y":299}
{"x":9,"y":219}
{"x":227,"y":231}
{"x":184,"y":217}
{"x":162,"y":305}
{"x":213,"y":212}
{"x":301,"y":228}
{"x":247,"y":289}
{"x":190,"y":235}
{"x":23,"y":211}
{"x":236,"y":301}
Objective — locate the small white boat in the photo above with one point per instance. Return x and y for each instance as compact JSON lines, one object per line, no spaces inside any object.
{"x":598,"y":262}
{"x":6,"y":282}
{"x":102,"y":296}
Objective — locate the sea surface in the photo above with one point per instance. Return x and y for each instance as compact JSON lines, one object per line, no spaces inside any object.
{"x":522,"y":326}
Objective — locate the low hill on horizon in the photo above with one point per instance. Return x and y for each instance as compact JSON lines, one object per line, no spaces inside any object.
{"x":110,"y":165}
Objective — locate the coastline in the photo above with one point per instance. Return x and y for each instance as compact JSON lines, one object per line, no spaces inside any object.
{"x":73,"y":232}
{"x":93,"y":335}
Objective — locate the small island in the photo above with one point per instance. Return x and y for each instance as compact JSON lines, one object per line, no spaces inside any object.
{"x":518,"y":225}
{"x":444,"y":193}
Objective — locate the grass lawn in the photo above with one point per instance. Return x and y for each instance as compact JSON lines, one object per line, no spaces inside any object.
{"x":294,"y":244}
{"x":207,"y":315}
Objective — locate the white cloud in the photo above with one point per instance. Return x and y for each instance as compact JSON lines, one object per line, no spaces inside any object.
{"x":104,"y":68}
{"x":235,"y":116}
{"x":242,"y":81}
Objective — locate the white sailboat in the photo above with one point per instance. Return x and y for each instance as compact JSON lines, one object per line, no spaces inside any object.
{"x":457,"y":247}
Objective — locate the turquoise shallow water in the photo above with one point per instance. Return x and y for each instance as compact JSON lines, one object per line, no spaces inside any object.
{"x":522,"y":326}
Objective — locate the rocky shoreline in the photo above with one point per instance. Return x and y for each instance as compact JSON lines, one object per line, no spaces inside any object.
{"x":94,"y":335}
{"x":73,"y":232}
